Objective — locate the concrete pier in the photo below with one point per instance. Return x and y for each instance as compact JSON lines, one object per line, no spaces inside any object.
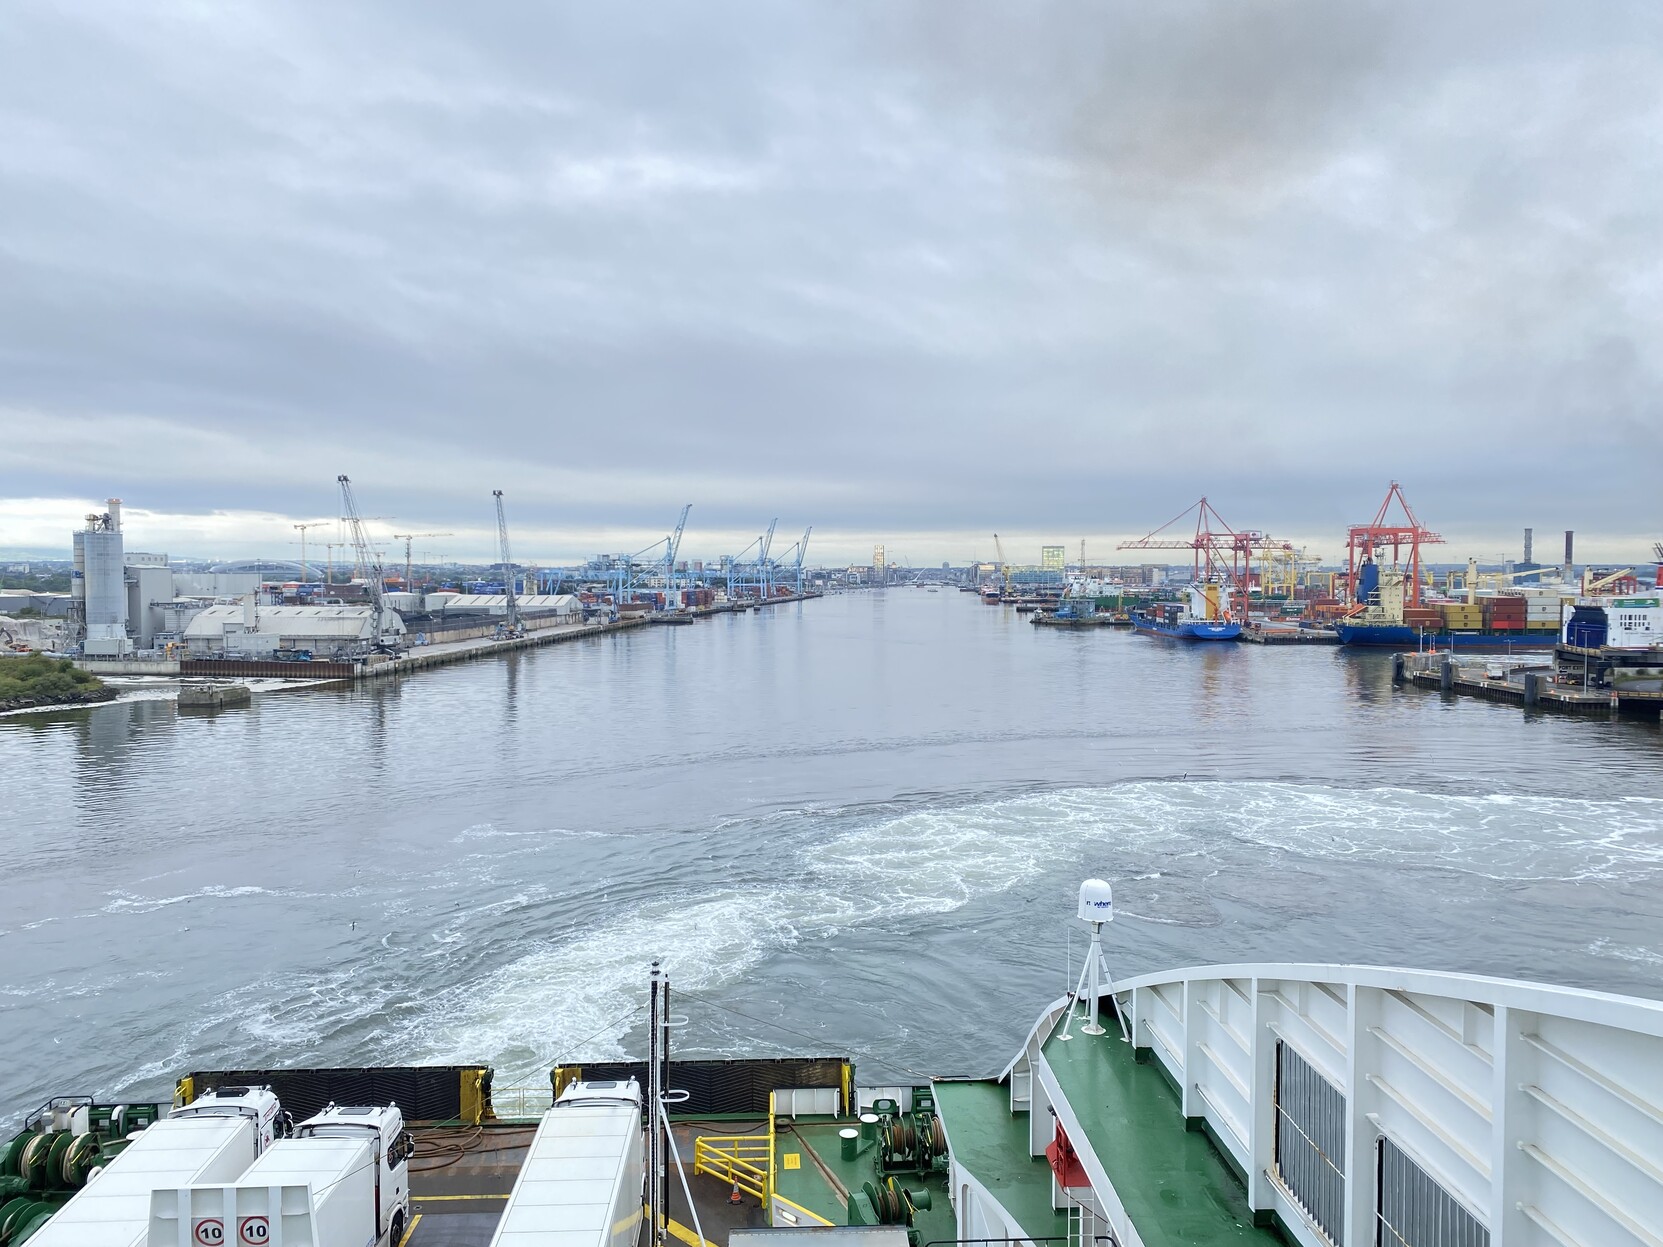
{"x":1531,"y":686}
{"x":447,"y":646}
{"x":214,"y":696}
{"x":421,"y":657}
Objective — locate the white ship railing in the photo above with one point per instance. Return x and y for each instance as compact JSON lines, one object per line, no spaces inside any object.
{"x":526,"y":1103}
{"x":1476,"y":1110}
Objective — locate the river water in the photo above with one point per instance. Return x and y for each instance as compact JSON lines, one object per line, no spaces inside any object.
{"x":848,"y":826}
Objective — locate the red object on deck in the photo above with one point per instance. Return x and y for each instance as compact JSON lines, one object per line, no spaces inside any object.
{"x":1065,"y":1163}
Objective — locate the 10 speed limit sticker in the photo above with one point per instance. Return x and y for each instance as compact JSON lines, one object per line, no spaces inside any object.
{"x":208,"y":1232}
{"x":253,"y":1231}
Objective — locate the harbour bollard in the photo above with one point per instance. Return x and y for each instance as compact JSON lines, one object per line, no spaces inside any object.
{"x":1532,"y":688}
{"x":851,"y":1142}
{"x":1446,"y":676}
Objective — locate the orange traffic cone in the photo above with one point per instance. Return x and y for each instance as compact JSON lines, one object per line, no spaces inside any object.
{"x":733,"y":1195}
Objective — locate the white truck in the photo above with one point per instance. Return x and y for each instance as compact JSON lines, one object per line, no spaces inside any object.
{"x":213,"y":1139}
{"x":340,"y":1180}
{"x":584,"y":1176}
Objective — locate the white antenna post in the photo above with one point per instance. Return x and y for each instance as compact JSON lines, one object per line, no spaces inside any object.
{"x":1096,"y":907}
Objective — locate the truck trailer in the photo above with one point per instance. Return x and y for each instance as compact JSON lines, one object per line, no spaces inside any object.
{"x":340,"y":1180}
{"x":214,"y":1139}
{"x":583,"y":1181}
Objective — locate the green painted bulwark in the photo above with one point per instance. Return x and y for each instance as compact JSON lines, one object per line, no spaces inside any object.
{"x":991,"y":1144}
{"x":1178,"y":1187}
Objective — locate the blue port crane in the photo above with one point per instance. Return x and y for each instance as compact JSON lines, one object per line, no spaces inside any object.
{"x":672,"y":548}
{"x":753,"y":574}
{"x":627,"y":574}
{"x":793,"y":557}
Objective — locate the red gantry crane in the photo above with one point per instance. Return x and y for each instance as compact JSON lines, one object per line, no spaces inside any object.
{"x":1365,"y":542}
{"x":1223,"y":555}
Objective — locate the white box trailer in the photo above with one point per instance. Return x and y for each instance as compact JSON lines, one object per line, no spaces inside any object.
{"x":214,"y":1139}
{"x":584,"y":1176}
{"x":342,"y":1180}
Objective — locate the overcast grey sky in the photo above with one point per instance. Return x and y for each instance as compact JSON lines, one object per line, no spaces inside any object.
{"x":911,"y":272}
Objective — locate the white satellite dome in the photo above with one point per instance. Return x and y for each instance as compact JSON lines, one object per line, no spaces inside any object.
{"x":1096,"y":901}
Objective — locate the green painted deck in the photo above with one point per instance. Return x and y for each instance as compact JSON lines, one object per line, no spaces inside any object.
{"x":992,"y":1143}
{"x":1177,"y":1189}
{"x":808,"y":1186}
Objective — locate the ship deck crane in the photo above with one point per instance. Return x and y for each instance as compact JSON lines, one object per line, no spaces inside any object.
{"x":511,"y":603}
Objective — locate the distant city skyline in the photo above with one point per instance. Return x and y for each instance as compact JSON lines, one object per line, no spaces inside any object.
{"x":263,"y":535}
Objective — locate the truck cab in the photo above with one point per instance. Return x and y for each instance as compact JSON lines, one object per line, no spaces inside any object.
{"x":393,"y":1146}
{"x":215,"y":1139}
{"x":341,"y":1179}
{"x":258,"y":1104}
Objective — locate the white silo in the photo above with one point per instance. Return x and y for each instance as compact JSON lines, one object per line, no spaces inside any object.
{"x":102,"y":583}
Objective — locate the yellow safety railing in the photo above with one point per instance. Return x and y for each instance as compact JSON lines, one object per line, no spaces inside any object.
{"x":742,"y":1160}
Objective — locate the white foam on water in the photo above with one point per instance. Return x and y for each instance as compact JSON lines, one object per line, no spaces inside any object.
{"x":127,"y":902}
{"x":1605,"y":947}
{"x":575,"y":995}
{"x":489,"y":831}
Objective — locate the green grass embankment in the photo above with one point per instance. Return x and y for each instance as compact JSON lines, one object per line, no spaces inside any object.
{"x":36,"y":680}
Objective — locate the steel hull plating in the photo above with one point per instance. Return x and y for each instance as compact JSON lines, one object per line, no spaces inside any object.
{"x":1188,"y":629}
{"x":1401,"y":636}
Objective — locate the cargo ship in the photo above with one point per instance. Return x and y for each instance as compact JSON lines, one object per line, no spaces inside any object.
{"x":1254,"y":1104}
{"x":1202,"y":617}
{"x":1615,"y":642}
{"x":1511,"y":620}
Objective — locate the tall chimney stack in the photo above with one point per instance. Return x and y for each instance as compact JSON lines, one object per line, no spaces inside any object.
{"x":1529,"y":535}
{"x":1570,"y":561}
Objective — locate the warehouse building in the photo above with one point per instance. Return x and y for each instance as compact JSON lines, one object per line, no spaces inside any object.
{"x":260,"y":631}
{"x":454,"y":605}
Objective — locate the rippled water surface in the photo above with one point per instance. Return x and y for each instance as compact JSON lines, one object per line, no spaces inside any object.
{"x":853,"y":825}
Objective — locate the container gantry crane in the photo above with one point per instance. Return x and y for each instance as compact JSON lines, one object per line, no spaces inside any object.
{"x":802,"y":552}
{"x":1364,"y":542}
{"x":1222,"y":555}
{"x":672,"y":549}
{"x":793,"y":559}
{"x":757,"y":573}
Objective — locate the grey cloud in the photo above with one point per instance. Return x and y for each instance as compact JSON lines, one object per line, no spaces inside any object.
{"x":916,"y":267}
